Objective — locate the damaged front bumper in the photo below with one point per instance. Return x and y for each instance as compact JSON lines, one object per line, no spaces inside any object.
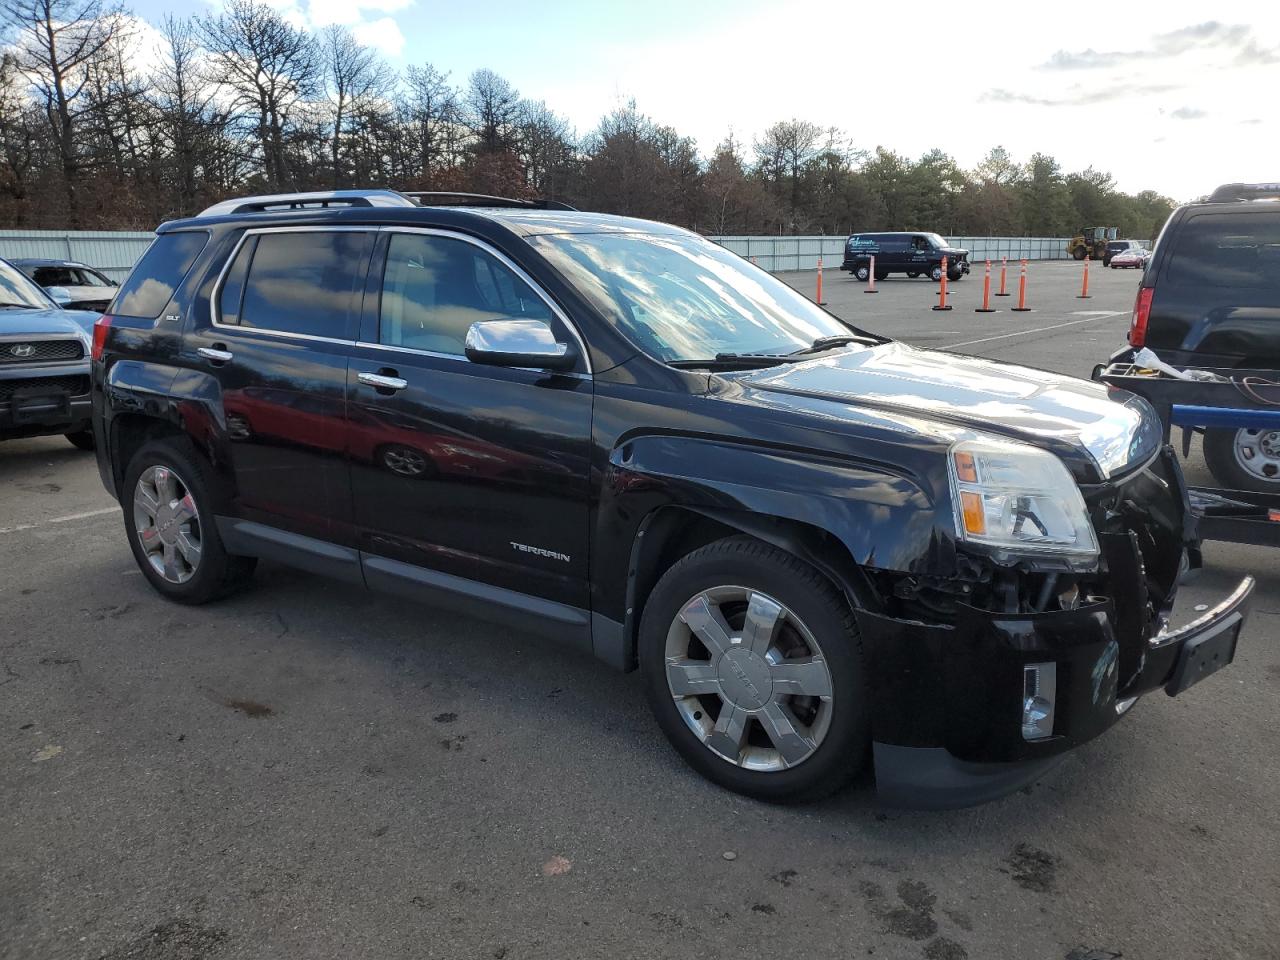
{"x":949,"y":702}
{"x":971,"y":708}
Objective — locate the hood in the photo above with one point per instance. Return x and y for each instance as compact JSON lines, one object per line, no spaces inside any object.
{"x":1091,"y":424}
{"x":36,"y":322}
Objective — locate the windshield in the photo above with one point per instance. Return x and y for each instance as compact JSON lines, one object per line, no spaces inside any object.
{"x":679,"y":297}
{"x":17,"y":290}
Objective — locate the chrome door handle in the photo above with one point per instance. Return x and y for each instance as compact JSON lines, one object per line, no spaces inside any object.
{"x":381,"y":382}
{"x":217,"y":356}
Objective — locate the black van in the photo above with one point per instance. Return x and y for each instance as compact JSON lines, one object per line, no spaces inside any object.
{"x":1210,"y":297}
{"x":914,"y":254}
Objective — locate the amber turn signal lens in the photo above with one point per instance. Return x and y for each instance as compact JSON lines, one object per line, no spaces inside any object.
{"x":966,"y":470}
{"x":975,"y":520}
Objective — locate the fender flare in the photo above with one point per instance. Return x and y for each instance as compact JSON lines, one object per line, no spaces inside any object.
{"x":840,"y":516}
{"x":178,"y":398}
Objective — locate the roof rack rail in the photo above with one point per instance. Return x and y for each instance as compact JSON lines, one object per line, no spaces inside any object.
{"x":284,"y":202}
{"x":447,"y":198}
{"x":1230,"y":192}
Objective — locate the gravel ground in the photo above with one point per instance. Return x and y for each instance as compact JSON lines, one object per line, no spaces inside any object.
{"x":306,"y":770}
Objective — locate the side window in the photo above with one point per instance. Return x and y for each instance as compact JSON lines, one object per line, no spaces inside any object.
{"x":233,"y":284}
{"x":157,"y":276}
{"x":306,"y":282}
{"x":1222,"y":250}
{"x":434,"y":288}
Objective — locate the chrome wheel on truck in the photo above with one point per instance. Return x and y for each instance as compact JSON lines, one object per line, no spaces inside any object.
{"x":167,"y":524}
{"x":753,"y":667}
{"x":748,"y":678}
{"x":170,"y":498}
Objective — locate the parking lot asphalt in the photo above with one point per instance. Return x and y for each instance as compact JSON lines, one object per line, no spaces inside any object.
{"x":307,"y":770}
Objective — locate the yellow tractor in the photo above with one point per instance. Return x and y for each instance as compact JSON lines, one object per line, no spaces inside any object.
{"x":1092,"y":242}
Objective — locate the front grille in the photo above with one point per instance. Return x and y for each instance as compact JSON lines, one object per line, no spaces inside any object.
{"x":39,"y":351}
{"x":75,"y":386}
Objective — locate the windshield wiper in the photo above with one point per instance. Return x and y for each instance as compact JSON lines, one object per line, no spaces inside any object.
{"x":730,"y":361}
{"x":830,"y":343}
{"x":6,"y":303}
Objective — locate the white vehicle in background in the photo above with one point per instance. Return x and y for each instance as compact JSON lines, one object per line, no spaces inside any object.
{"x":88,"y":289}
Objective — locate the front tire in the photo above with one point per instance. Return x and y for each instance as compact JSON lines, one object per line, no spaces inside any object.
{"x":862,"y":273}
{"x":753,"y":667}
{"x":1244,"y":459}
{"x":912,"y":274}
{"x":954,"y":275}
{"x":81,"y":439}
{"x":169,"y":508}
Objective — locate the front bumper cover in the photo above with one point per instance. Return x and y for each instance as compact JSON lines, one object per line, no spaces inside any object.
{"x":947,"y":700}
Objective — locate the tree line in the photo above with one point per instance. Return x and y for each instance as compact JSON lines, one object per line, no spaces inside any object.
{"x":100,"y":131}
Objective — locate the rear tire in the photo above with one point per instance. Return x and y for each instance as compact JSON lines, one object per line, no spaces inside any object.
{"x":1244,"y":459}
{"x":169,"y":508}
{"x":81,"y":439}
{"x":935,"y":274}
{"x":720,"y":703}
{"x":912,"y":274}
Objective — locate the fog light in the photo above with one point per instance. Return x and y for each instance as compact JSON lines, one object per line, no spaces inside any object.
{"x":1039,"y":686}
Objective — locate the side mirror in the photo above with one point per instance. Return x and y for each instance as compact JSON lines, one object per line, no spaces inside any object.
{"x":518,"y":343}
{"x":59,"y":295}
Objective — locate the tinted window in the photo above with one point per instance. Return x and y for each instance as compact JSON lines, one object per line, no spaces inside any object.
{"x":158,"y":274}
{"x":233,"y":283}
{"x":1221,"y":250}
{"x":894,"y":244}
{"x":434,"y":288}
{"x":306,"y":282}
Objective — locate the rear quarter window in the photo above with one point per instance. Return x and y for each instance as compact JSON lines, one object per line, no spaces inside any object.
{"x":157,"y":276}
{"x":1227,"y":250}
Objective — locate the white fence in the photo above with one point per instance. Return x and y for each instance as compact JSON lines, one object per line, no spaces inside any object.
{"x":115,"y":253}
{"x":802,"y":253}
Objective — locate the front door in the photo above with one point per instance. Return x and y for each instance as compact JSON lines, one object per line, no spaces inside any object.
{"x":460,"y":469}
{"x":286,"y":312}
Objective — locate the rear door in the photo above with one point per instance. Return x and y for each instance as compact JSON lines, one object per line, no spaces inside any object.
{"x":1217,"y":296}
{"x":466,"y":470}
{"x":283,"y":322}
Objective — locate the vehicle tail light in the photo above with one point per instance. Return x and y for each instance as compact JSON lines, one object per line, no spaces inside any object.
{"x":1141,"y":313}
{"x":100,"y":328}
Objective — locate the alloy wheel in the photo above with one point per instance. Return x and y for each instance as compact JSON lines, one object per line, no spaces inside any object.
{"x":1258,"y":453}
{"x":167,"y":524}
{"x":405,"y":461}
{"x":748,"y":678}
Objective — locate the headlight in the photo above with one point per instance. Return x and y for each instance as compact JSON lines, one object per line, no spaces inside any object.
{"x":1018,"y":502}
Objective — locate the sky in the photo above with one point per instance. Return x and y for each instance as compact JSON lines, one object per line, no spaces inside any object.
{"x":1174,"y":96}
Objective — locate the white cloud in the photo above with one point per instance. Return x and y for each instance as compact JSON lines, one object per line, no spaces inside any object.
{"x":382,"y":34}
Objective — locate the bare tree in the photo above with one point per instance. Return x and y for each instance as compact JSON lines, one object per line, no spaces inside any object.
{"x":270,"y":67}
{"x":353,"y":74}
{"x":493,"y":111}
{"x":547,"y":150}
{"x":431,"y":113}
{"x":56,"y":42}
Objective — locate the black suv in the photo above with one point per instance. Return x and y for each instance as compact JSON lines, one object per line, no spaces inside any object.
{"x":817,"y":544}
{"x":1210,"y":297}
{"x":915,"y":254}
